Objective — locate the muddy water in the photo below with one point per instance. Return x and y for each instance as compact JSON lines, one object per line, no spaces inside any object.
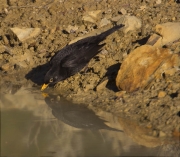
{"x":36,"y":124}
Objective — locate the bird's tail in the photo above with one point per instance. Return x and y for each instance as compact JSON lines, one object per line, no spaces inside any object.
{"x":103,"y":35}
{"x":96,"y":48}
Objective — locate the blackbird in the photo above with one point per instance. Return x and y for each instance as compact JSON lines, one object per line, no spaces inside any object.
{"x":73,"y":58}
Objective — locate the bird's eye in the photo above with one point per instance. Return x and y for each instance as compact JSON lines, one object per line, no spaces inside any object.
{"x":51,"y":80}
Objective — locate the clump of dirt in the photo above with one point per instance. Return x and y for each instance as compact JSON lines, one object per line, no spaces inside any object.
{"x":24,"y":63}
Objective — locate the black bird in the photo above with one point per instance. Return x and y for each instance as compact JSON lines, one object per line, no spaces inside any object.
{"x":72,"y":58}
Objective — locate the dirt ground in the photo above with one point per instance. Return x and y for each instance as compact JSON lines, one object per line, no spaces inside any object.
{"x":24,"y":63}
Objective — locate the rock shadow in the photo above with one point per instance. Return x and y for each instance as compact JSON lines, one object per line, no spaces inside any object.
{"x":111,"y":75}
{"x":142,"y":41}
{"x":37,"y":74}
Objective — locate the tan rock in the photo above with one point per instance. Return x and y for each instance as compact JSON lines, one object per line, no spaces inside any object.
{"x":91,"y":16}
{"x":116,"y":18}
{"x":153,"y":39}
{"x":88,"y":19}
{"x":120,"y":94}
{"x":104,"y":22}
{"x":6,"y":41}
{"x":94,"y":14}
{"x":123,"y":11}
{"x":102,"y":85}
{"x":25,"y":33}
{"x":7,"y":66}
{"x":158,"y":1}
{"x":131,"y":23}
{"x":169,"y":31}
{"x":71,"y":29}
{"x":161,"y":94}
{"x":162,"y":134}
{"x":143,"y":65}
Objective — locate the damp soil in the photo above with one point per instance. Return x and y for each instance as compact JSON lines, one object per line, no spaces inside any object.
{"x":25,"y":63}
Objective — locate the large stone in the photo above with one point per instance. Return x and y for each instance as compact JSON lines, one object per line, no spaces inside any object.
{"x":25,"y":33}
{"x":104,"y":22}
{"x":131,"y":23}
{"x":169,"y":31}
{"x":91,"y":16}
{"x":143,"y":65}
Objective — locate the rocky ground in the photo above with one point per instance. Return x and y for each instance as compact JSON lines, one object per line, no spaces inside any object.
{"x":58,"y":22}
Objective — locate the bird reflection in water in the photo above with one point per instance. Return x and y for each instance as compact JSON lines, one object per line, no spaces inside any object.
{"x":75,"y":115}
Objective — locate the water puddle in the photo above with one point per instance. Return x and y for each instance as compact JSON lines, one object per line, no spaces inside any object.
{"x":36,"y":124}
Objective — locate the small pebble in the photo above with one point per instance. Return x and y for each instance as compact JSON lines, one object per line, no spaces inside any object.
{"x":158,"y":2}
{"x":7,"y":66}
{"x":161,"y":94}
{"x":123,"y":11}
{"x":162,"y":134}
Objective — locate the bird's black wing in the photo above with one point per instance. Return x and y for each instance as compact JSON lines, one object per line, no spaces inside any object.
{"x":82,"y":50}
{"x":81,"y":54}
{"x":80,"y":57}
{"x":85,"y":49}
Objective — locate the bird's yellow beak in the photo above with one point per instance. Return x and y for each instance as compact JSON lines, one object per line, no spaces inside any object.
{"x":44,"y":86}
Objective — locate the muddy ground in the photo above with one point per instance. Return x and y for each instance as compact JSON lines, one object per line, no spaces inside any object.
{"x":24,"y":63}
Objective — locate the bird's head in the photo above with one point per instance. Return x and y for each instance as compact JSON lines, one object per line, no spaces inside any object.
{"x":51,"y":78}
